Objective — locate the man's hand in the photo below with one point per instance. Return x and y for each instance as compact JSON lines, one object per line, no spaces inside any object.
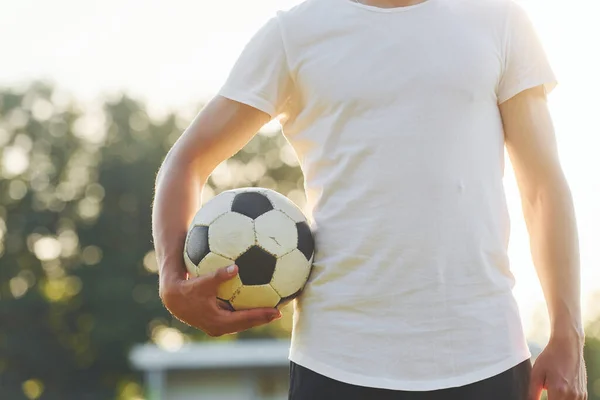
{"x":194,"y":301}
{"x":560,"y":370}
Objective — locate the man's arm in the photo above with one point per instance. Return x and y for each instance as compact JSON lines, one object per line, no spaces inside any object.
{"x":550,"y":218}
{"x":221,"y":129}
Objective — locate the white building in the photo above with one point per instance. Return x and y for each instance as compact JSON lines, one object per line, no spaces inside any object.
{"x":216,"y":370}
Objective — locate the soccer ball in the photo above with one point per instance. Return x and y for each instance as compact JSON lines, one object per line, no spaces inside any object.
{"x":264,"y":234}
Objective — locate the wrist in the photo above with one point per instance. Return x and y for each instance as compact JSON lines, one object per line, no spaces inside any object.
{"x":568,"y":333}
{"x":171,"y":270}
{"x":169,"y":290}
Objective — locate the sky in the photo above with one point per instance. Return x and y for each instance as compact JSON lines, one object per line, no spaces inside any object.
{"x":176,"y":54}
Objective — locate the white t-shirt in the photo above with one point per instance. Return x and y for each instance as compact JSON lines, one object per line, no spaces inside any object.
{"x":394,"y":117}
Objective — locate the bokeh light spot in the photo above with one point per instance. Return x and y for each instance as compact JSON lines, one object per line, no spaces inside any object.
{"x":90,"y":127}
{"x":4,"y":136}
{"x":138,"y":121}
{"x":17,"y":189}
{"x":288,"y":155}
{"x":88,"y":208}
{"x":91,"y":255}
{"x":69,"y":242}
{"x":95,"y":191}
{"x":170,"y":339}
{"x":47,"y":248}
{"x":128,"y":390}
{"x":33,"y":388}
{"x":255,"y":169}
{"x":207,"y":193}
{"x":65,"y":191}
{"x":298,"y":197}
{"x":221,"y":176}
{"x":18,"y":118}
{"x":42,"y":109}
{"x":150,"y":263}
{"x":273,"y":158}
{"x":62,"y":288}
{"x":15,"y":161}
{"x":18,"y":286}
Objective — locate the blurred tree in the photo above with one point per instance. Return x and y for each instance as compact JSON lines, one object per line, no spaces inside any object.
{"x":592,"y":359}
{"x":77,"y":271}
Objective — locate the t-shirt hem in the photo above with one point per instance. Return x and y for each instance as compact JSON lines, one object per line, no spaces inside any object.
{"x":394,"y":384}
{"x":249,"y":99}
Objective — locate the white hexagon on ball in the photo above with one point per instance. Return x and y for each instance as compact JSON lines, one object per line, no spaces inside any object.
{"x":258,"y":296}
{"x":282,"y":203}
{"x":291,"y":273}
{"x":231,"y":235}
{"x":213,"y":209}
{"x":276,"y":233}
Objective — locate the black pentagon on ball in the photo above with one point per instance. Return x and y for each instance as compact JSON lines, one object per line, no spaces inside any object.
{"x":251,"y":204}
{"x":306,"y":242}
{"x":197,"y":244}
{"x":256,"y":266}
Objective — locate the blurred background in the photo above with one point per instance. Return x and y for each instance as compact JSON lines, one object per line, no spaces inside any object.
{"x":92,"y":96}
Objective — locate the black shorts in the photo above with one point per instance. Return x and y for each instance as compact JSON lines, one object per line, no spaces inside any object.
{"x":508,"y":385}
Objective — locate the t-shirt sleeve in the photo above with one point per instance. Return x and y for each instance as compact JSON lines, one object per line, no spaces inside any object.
{"x":525,"y":61}
{"x":260,"y":77}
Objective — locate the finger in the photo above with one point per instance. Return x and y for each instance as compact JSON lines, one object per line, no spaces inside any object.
{"x":224,"y":274}
{"x":245,"y":319}
{"x":211,"y":282}
{"x":536,"y":383}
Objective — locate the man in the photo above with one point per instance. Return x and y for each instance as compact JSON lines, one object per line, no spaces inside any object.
{"x":399,"y":112}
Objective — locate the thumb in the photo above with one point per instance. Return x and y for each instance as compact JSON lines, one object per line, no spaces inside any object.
{"x":536,"y":383}
{"x":224,"y":274}
{"x":210,"y":282}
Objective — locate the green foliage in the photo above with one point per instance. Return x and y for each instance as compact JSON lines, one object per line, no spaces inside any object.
{"x":592,"y":360}
{"x":78,"y":283}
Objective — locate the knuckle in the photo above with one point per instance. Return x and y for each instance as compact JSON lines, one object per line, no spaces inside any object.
{"x":558,"y":390}
{"x":573,"y":393}
{"x":562,"y":389}
{"x":565,"y":391}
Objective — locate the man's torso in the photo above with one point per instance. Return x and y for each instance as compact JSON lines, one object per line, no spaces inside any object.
{"x":396,"y":125}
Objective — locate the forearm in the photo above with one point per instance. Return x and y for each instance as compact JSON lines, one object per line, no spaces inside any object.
{"x":554,"y":245}
{"x":177,"y":198}
{"x":221,"y":129}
